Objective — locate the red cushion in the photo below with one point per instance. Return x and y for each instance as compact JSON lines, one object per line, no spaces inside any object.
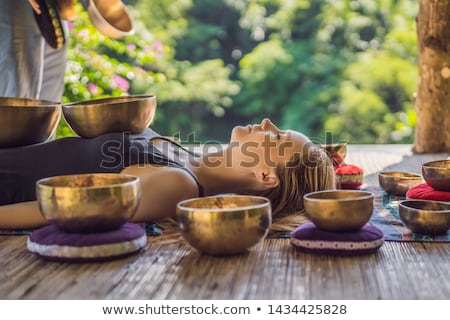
{"x":349,"y":176}
{"x":425,"y":192}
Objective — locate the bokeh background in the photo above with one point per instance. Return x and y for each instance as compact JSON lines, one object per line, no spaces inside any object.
{"x":328,"y":68}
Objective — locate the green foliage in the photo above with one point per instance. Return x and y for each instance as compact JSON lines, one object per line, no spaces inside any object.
{"x":392,"y":81}
{"x":191,"y":94}
{"x":361,"y":114}
{"x":345,"y":66}
{"x":101,"y":67}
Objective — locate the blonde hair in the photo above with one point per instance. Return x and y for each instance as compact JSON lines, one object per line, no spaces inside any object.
{"x":305,"y":172}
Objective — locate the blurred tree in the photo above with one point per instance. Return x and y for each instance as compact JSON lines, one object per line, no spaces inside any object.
{"x":197,"y":84}
{"x":378,"y":98}
{"x":141,"y":63}
{"x":379,"y":39}
{"x":433,"y":96}
{"x":312,"y":66}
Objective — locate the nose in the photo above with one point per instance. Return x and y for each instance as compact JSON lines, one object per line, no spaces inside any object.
{"x":266,"y":124}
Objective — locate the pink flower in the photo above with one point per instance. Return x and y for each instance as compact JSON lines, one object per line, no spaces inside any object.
{"x":122,"y":83}
{"x":159,"y":49}
{"x":93,"y":88}
{"x":131,"y":47}
{"x":83,"y":33}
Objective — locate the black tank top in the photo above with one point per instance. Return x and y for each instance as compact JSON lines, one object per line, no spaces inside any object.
{"x":20,"y":168}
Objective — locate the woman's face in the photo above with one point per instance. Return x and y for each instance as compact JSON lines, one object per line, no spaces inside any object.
{"x":265,"y":144}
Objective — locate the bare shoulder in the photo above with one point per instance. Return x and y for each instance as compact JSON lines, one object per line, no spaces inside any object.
{"x":169,"y":178}
{"x":162,"y":188}
{"x":179,"y":178}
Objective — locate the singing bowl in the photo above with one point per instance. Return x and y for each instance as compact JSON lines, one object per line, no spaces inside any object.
{"x":224,"y":225}
{"x":339,"y":210}
{"x":398,"y":183}
{"x":27,"y":121}
{"x":88,"y":202}
{"x":110,"y":17}
{"x":425,"y":216}
{"x":92,"y":118}
{"x":336,"y":151}
{"x":437,"y":174}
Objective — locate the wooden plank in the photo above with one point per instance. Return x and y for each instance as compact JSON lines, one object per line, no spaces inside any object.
{"x":273,"y":270}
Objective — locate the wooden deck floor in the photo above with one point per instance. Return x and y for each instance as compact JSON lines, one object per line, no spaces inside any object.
{"x":170,"y":269}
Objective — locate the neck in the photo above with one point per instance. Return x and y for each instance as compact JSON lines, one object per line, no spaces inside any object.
{"x":217,"y":174}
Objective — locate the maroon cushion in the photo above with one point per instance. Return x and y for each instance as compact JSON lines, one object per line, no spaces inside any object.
{"x":52,"y":243}
{"x":349,"y":176}
{"x":425,"y":192}
{"x":309,"y":238}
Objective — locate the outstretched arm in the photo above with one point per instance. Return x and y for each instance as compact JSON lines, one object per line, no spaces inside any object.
{"x":162,"y":188}
{"x":24,"y":215}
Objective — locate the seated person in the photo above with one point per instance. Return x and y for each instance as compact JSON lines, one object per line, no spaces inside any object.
{"x":281,"y":165}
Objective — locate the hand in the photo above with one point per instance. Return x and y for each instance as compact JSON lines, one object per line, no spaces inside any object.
{"x":35,"y":6}
{"x":64,"y":7}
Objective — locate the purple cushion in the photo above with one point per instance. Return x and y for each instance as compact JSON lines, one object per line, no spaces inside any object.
{"x":309,"y":238}
{"x":52,"y":243}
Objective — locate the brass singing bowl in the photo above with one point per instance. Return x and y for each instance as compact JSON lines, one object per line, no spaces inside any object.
{"x":88,"y":202}
{"x":339,"y":210}
{"x":92,"y":118}
{"x":224,"y":225}
{"x":398,"y":183}
{"x":336,"y":151}
{"x":27,"y":121}
{"x":437,"y":174}
{"x":425,"y":216}
{"x":110,"y":17}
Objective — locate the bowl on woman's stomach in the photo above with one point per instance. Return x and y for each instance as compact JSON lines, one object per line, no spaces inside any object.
{"x":88,"y":203}
{"x":92,"y":118}
{"x":27,"y":121}
{"x":225,"y":224}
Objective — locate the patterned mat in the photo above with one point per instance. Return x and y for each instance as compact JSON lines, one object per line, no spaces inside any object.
{"x":385,"y":217}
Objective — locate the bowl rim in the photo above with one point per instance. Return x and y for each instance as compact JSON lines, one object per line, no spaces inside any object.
{"x":181,"y":204}
{"x":412,"y":175}
{"x":364,"y":195}
{"x":41,"y":103}
{"x":429,"y":164}
{"x":133,"y":180}
{"x":109,"y":100}
{"x":104,"y":26}
{"x":402,"y":204}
